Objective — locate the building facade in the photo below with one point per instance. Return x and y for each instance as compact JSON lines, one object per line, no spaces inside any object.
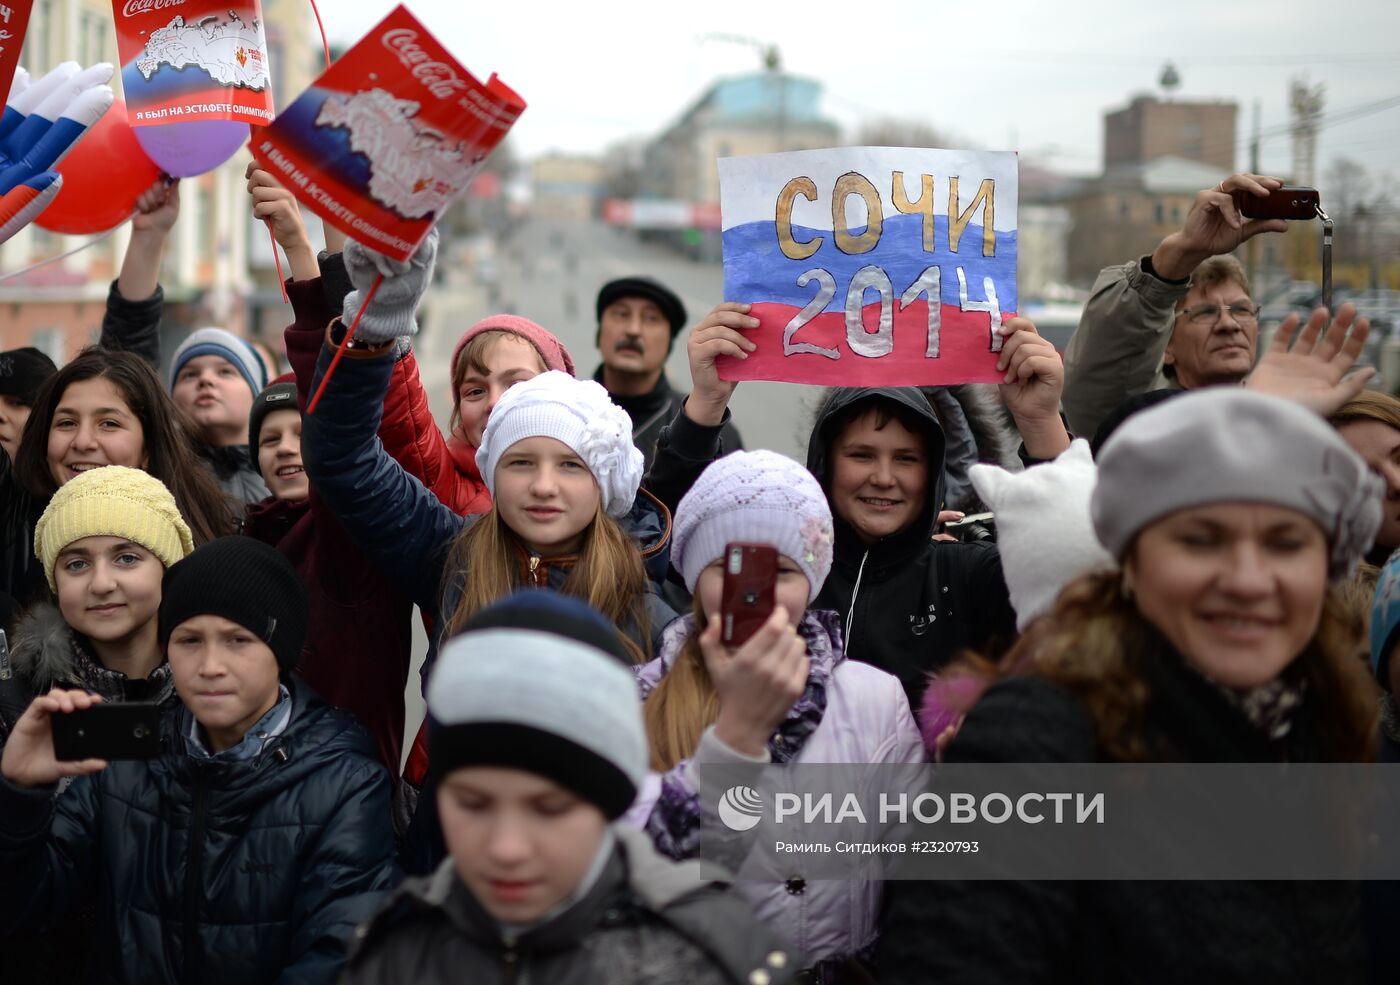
{"x":1148,"y":129}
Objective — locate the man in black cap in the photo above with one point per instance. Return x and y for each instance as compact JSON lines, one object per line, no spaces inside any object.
{"x":638,"y":321}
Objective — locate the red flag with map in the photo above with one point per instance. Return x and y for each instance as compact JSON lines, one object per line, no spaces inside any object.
{"x":187,"y":60}
{"x":14,"y":18}
{"x":393,"y":132}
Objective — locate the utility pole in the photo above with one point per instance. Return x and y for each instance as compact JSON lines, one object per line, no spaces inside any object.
{"x":1252,"y":250}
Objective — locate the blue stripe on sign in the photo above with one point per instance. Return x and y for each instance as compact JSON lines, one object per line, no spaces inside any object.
{"x":755,"y":269}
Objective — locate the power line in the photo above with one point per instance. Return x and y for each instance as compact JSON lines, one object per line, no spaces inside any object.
{"x":1099,"y":59}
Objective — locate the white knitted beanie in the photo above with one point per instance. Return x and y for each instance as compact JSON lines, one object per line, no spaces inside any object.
{"x":1044,"y":530}
{"x":577,"y":413}
{"x":755,"y":497}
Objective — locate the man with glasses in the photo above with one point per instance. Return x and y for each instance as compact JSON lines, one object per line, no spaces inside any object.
{"x":1179,"y":318}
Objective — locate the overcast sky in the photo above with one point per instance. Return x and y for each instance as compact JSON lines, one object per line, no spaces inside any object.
{"x":1028,"y":75}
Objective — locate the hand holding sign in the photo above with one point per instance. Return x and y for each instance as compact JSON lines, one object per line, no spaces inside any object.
{"x":719,"y":335}
{"x":1032,"y":386}
{"x":810,"y":236}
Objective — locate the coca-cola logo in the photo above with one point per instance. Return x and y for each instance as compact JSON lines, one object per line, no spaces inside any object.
{"x":438,"y":77}
{"x":134,"y":7}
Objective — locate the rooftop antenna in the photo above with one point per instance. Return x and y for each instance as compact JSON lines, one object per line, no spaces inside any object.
{"x":1170,"y":80}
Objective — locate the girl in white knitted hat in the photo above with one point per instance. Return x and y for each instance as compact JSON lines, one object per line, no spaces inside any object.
{"x":566,"y":513}
{"x":787,"y":695}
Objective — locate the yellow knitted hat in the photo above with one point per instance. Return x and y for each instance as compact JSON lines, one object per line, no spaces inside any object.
{"x":113,"y":501}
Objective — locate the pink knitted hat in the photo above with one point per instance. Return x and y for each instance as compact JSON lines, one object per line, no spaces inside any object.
{"x":553,"y":351}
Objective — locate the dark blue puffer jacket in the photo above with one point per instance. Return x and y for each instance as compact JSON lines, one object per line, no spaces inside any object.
{"x":211,"y":871}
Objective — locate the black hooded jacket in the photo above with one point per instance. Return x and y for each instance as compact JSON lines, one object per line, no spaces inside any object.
{"x":908,"y":604}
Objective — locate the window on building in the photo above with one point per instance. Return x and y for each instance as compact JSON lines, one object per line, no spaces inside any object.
{"x":1159,"y":213}
{"x":1123,"y":208}
{"x":49,"y":341}
{"x":34,"y":56}
{"x":93,"y":32}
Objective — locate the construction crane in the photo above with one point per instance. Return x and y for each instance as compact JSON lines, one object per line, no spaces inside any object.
{"x":772,"y":60}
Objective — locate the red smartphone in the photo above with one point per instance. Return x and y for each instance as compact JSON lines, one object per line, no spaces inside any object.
{"x":1288,"y":202}
{"x":746,"y":602}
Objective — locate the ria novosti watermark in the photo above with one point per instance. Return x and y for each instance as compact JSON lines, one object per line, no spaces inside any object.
{"x":1053,"y":821}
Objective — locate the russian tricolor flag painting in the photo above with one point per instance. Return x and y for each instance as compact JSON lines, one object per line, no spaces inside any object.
{"x":871,"y":266}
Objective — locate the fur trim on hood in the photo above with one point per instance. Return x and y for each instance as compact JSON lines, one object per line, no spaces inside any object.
{"x":44,"y":653}
{"x":48,"y":653}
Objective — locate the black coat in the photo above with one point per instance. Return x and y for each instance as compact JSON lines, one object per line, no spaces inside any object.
{"x":651,"y":412}
{"x":909,"y":604}
{"x":21,"y":574}
{"x":208,"y":870}
{"x":1147,"y":932}
{"x":645,"y":921}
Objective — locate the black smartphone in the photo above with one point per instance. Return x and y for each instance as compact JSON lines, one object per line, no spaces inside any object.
{"x":1288,"y":202}
{"x":747,"y":598}
{"x":130,"y":730}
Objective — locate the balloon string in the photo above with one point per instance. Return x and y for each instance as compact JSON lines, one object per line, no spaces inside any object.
{"x":324,"y":47}
{"x":281,"y":281}
{"x":335,"y":361}
{"x":63,"y":256}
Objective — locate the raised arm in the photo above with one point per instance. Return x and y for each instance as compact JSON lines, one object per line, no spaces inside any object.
{"x":1116,"y":351}
{"x":694,"y":438}
{"x":403,"y":527}
{"x":277,"y":207}
{"x":135,"y":301}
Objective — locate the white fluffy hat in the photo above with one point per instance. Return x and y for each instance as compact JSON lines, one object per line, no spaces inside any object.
{"x":577,"y":413}
{"x":1044,"y":528}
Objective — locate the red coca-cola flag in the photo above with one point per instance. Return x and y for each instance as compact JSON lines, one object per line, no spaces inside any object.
{"x":14,"y":19}
{"x":187,"y":60}
{"x":382,"y":143}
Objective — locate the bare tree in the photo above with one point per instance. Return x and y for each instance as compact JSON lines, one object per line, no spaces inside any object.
{"x":1349,"y":187}
{"x":901,"y":133}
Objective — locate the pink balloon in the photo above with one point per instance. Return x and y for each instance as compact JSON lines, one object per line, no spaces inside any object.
{"x":183,"y":150}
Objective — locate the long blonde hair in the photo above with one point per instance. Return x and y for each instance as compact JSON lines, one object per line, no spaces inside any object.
{"x":607,"y":573}
{"x":682,"y":705}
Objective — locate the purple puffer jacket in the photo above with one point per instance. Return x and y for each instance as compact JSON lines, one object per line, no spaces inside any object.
{"x":850,"y":712}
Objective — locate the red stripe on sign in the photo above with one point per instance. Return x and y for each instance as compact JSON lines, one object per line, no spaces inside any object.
{"x":963,"y":345}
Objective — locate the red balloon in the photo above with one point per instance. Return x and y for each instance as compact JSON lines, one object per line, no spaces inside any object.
{"x":103,"y":175}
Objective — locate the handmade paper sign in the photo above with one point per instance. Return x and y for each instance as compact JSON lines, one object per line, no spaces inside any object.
{"x":870,"y":266}
{"x":14,"y":18}
{"x":188,"y":60}
{"x":388,"y":137}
